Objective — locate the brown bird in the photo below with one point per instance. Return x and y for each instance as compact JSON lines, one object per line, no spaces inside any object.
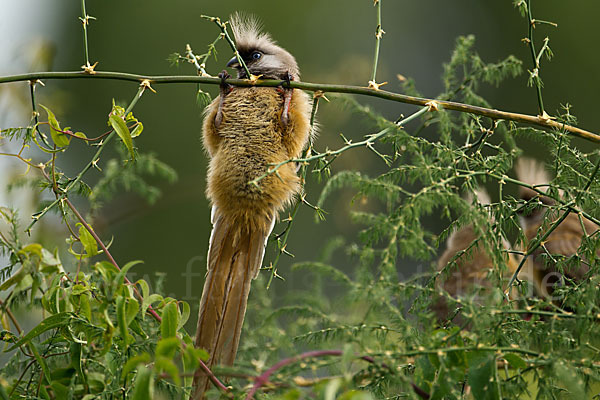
{"x":246,"y":129}
{"x":563,"y":242}
{"x":470,"y":274}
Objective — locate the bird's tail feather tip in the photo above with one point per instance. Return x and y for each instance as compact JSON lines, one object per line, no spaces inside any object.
{"x":235,"y":257}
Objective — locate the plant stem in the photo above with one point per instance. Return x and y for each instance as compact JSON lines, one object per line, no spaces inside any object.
{"x":85,"y":20}
{"x":536,"y":65}
{"x":35,"y":113}
{"x":314,"y":87}
{"x":12,"y":317}
{"x":378,"y":34}
{"x":223,"y":27}
{"x":281,"y":245}
{"x":264,"y":378}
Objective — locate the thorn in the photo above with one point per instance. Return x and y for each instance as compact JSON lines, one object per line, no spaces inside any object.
{"x":34,"y":81}
{"x":279,"y":176}
{"x":284,"y":251}
{"x":374,"y":85}
{"x":320,"y":94}
{"x":89,"y":69}
{"x":433,"y":105}
{"x":95,"y":164}
{"x":146,"y":85}
{"x":545,"y":117}
{"x":276,"y":275}
{"x":254,"y":78}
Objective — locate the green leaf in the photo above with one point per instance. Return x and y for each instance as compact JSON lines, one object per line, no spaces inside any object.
{"x":145,"y":288}
{"x":355,"y":395}
{"x":332,"y":388}
{"x":85,"y":307}
{"x":121,"y":128}
{"x":153,"y":298}
{"x":59,"y":138}
{"x":292,"y":394}
{"x":167,"y":347}
{"x":137,"y":131}
{"x":131,"y":310}
{"x":60,"y":391}
{"x":33,"y":248}
{"x":106,"y":269}
{"x":76,"y":361}
{"x":53,"y":321}
{"x":167,"y":365}
{"x":191,"y":357}
{"x":567,"y":375}
{"x":133,"y":362}
{"x":170,"y":320}
{"x":185,"y":315}
{"x":87,"y":241}
{"x":50,"y":260}
{"x":122,"y":320}
{"x":121,"y":275}
{"x":515,"y":361}
{"x":482,"y":376}
{"x":3,"y":394}
{"x":143,"y":388}
{"x":16,"y":278}
{"x":78,"y":290}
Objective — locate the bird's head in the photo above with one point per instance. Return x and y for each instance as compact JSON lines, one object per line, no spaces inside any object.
{"x":260,"y":53}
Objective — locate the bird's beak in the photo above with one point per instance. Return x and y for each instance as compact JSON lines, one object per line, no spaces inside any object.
{"x":233,"y":63}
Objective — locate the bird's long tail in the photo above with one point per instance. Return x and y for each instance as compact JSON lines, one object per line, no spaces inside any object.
{"x":234,"y":258}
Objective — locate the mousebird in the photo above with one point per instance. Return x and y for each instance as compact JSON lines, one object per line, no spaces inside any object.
{"x":469,"y":277}
{"x":562,"y":243}
{"x":246,"y":130}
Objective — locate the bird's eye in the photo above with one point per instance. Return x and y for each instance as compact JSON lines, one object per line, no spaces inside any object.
{"x":256,"y":55}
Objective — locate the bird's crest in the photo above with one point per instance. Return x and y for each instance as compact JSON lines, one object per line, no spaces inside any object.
{"x":531,"y":171}
{"x":247,"y":30}
{"x":534,"y":173}
{"x":481,"y":195}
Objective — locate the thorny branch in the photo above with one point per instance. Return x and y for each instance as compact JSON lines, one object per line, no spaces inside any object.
{"x":540,"y":121}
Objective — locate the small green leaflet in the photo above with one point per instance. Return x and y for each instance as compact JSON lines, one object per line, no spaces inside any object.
{"x":59,"y":138}
{"x":121,"y":128}
{"x":53,"y":321}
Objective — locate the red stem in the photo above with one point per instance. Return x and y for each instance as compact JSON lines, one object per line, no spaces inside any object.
{"x":70,"y":133}
{"x":264,"y":378}
{"x":108,"y":255}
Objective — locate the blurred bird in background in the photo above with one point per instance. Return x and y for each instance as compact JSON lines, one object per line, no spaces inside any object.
{"x":471,"y":276}
{"x":246,"y":129}
{"x":562,"y":243}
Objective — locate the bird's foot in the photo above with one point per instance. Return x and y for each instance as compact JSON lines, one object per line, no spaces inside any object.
{"x":224,"y":89}
{"x":287,"y":98}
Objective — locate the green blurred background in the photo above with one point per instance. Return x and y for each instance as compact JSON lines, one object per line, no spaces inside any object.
{"x":333,"y":42}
